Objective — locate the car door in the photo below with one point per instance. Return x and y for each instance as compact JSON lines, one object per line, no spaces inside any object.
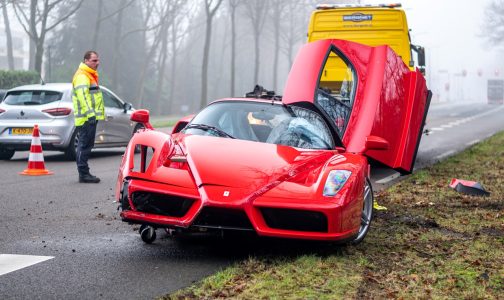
{"x":369,"y":95}
{"x":117,"y":126}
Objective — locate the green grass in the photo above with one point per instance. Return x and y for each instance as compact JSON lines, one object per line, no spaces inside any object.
{"x":432,"y":242}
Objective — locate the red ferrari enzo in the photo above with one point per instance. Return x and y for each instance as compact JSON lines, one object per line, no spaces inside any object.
{"x":289,"y":167}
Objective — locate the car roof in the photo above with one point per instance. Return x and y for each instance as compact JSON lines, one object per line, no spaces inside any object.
{"x":61,"y":87}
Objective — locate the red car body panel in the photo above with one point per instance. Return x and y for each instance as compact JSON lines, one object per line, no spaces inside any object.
{"x":258,"y":179}
{"x":390,"y":102}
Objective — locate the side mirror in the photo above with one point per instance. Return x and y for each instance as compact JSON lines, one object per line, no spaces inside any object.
{"x":421,"y":56}
{"x":127,"y":106}
{"x":141,"y":116}
{"x":376,"y":143}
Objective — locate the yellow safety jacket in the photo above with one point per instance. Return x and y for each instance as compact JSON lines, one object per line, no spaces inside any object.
{"x":87,"y":97}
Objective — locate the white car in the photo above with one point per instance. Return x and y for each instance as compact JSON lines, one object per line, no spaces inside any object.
{"x":50,"y":107}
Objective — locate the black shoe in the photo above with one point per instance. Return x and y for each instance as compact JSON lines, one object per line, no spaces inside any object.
{"x":88,"y":178}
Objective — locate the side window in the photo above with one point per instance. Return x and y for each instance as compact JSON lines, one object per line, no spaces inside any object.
{"x":336,"y":90}
{"x":110,"y":100}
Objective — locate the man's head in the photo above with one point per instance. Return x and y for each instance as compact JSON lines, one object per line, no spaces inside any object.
{"x":91,"y":59}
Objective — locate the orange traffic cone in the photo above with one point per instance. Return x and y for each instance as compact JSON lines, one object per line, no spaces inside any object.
{"x":36,"y":165}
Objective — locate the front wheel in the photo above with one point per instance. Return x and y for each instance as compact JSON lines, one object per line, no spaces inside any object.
{"x":367,"y":213}
{"x":6,"y":154}
{"x":147,"y":233}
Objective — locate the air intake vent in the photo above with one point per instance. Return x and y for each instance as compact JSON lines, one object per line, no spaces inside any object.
{"x":215,"y":217}
{"x":297,"y":220}
{"x":161,"y":204}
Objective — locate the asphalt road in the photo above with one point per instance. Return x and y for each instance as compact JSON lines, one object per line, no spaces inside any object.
{"x":92,"y":254}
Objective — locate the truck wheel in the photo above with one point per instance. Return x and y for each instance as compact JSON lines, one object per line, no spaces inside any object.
{"x":6,"y":154}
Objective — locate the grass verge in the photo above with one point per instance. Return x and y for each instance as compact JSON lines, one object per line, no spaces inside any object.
{"x":432,"y":242}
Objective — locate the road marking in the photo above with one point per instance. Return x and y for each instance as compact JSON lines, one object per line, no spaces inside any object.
{"x":473,"y":142}
{"x":448,"y":153}
{"x":12,"y":262}
{"x":465,"y":120}
{"x":388,"y":178}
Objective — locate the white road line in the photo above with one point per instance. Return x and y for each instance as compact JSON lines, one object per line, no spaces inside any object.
{"x":473,"y":142}
{"x":388,"y":178}
{"x":448,"y":153}
{"x":465,"y":120}
{"x":13,"y":262}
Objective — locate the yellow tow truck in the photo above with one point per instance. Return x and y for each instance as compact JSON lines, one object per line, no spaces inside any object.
{"x":371,"y":25}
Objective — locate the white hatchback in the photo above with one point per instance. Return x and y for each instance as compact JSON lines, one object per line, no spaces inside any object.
{"x":50,"y":107}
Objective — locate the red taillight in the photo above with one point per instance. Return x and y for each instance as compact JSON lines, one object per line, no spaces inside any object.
{"x":60,"y":111}
{"x":2,"y":111}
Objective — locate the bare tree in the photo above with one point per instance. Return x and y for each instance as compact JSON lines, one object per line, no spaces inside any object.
{"x":40,"y":22}
{"x":158,"y":16}
{"x":8,"y":35}
{"x":211,"y":6}
{"x":256,"y":11}
{"x":295,"y":23}
{"x":233,"y":4}
{"x":493,"y":29}
{"x":277,"y":13}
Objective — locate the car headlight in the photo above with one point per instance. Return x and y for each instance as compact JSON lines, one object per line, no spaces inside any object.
{"x":335,"y":181}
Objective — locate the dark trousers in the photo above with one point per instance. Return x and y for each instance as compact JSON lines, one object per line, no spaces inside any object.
{"x":86,"y":134}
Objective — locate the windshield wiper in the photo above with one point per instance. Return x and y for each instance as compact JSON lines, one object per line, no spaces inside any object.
{"x":209,"y":127}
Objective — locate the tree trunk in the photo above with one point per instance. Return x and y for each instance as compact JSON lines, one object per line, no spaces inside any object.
{"x":233,"y":50}
{"x":204,"y":67}
{"x":97,"y":25}
{"x":117,"y":50}
{"x":256,"y":58}
{"x":276,"y":37}
{"x":33,"y":33}
{"x":162,"y":65}
{"x":8,"y":35}
{"x":173,"y":69}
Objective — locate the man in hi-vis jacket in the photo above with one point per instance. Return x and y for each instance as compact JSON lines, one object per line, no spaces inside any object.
{"x":88,"y":106}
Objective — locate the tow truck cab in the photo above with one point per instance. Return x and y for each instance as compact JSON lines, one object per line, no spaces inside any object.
{"x":371,"y":25}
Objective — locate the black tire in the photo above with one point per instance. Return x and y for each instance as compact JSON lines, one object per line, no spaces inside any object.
{"x":6,"y":154}
{"x":71,"y":150}
{"x":147,"y":233}
{"x":124,"y":197}
{"x":367,"y":213}
{"x":138,"y":148}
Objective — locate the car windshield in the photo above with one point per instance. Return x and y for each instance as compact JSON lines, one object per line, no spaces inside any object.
{"x":32,"y":97}
{"x":263,"y":122}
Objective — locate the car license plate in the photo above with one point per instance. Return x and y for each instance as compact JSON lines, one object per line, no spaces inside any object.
{"x":21,"y":131}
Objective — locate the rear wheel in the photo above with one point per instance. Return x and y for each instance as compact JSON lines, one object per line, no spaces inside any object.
{"x":6,"y":154}
{"x":367,"y":213}
{"x":71,"y":150}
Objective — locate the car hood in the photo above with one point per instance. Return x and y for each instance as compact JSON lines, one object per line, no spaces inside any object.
{"x":247,"y":165}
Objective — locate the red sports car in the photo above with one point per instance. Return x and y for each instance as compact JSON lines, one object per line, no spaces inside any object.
{"x":289,"y":167}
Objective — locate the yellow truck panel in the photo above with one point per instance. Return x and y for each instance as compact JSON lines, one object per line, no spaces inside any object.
{"x":369,"y":25}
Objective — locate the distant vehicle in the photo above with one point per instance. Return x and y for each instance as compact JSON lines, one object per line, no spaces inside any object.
{"x":50,"y":106}
{"x":495,"y":91}
{"x":371,"y":25}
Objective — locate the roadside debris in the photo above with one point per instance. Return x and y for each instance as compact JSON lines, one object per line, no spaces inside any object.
{"x":468,"y":187}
